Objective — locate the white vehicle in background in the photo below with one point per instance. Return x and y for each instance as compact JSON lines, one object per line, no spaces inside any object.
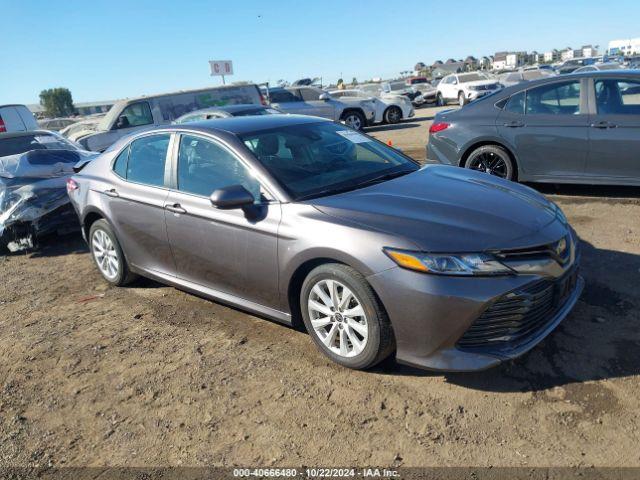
{"x":16,"y":118}
{"x":388,"y":108}
{"x":465,"y":87}
{"x":56,"y":124}
{"x":81,"y":128}
{"x":595,"y":67}
{"x":133,"y":115}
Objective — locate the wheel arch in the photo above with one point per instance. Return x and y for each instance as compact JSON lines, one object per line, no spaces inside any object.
{"x":296,"y":278}
{"x":353,"y":109}
{"x":389,"y":107}
{"x":482,"y":143}
{"x":89,"y":218}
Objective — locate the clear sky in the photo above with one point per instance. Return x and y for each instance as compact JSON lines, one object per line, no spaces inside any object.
{"x":104,"y":50}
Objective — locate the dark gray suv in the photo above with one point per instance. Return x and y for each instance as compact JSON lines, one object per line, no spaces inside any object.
{"x":578,"y":128}
{"x":305,"y":220}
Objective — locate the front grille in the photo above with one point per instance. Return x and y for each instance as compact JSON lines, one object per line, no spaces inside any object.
{"x":559,"y":251}
{"x":519,"y":315}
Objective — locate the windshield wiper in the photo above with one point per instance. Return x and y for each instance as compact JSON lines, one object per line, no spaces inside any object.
{"x":372,"y":181}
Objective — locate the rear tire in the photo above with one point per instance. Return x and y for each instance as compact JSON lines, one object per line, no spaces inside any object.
{"x":348,"y":324}
{"x":354,"y":119}
{"x":492,"y":159}
{"x":393,"y":114}
{"x":108,"y":255}
{"x":440,"y":100}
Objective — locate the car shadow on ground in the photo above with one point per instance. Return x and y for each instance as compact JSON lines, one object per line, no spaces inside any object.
{"x":600,"y":339}
{"x":394,"y":126}
{"x":587,"y":190}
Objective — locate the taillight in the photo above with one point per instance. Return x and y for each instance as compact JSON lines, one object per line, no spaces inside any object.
{"x":262,"y":100}
{"x":438,"y":127}
{"x":72,"y":185}
{"x":3,"y":127}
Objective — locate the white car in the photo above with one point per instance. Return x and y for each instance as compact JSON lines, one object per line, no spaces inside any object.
{"x":16,"y":118}
{"x":389,"y":108}
{"x":465,"y":87}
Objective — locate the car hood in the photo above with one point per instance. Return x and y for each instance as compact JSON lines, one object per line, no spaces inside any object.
{"x":450,"y":209}
{"x":480,"y":83}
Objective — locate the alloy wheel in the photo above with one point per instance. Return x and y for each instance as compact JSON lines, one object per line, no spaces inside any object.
{"x":491,"y":163}
{"x":353,"y":121}
{"x":337,"y":317}
{"x":105,"y":253}
{"x":394,"y":115}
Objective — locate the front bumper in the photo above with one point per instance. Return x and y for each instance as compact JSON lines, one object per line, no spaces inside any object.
{"x":475,"y":94}
{"x":430,"y":315}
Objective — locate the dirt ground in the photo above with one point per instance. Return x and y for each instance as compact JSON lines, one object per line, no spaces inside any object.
{"x":152,"y":376}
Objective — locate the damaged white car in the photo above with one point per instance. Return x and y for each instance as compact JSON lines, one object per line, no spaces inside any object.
{"x":34,"y":168}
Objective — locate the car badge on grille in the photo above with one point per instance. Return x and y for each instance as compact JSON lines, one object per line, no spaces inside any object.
{"x":561,"y":247}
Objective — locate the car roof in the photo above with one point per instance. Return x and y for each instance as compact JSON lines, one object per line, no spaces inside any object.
{"x":242,"y":125}
{"x":228,"y":108}
{"x":568,"y":77}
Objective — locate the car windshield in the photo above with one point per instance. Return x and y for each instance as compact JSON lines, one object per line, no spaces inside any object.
{"x":471,"y":77}
{"x":318,"y":159}
{"x":26,"y":143}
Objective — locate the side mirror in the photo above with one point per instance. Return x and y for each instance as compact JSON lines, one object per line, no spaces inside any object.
{"x":228,"y":198}
{"x":324,"y":97}
{"x":122,"y":122}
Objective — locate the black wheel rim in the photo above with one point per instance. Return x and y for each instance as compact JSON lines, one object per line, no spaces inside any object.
{"x":491,"y":163}
{"x":394,"y":115}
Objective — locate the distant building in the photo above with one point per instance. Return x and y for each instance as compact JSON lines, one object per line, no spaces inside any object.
{"x":485,"y":63}
{"x":588,"y":51}
{"x":551,"y":56}
{"x":516,"y":59}
{"x":471,"y":63}
{"x":500,"y":61}
{"x":630,"y":46}
{"x":569,"y":53}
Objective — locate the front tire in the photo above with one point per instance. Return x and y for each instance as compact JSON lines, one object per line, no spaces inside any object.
{"x":393,"y":114}
{"x":462,"y":100}
{"x":344,"y":317}
{"x":492,"y":159}
{"x":108,"y":255}
{"x":354,"y":119}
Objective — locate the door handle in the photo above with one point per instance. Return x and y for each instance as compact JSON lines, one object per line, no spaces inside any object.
{"x":111,"y":193}
{"x":175,"y":208}
{"x":514,"y":124}
{"x":603,"y":124}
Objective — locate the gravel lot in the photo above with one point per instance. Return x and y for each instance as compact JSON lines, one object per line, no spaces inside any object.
{"x":149,"y":375}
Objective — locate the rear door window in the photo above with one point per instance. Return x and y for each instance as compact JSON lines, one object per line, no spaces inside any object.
{"x":147,"y":157}
{"x":516,"y":103}
{"x":120,"y":165}
{"x":283,"y":96}
{"x":617,"y":96}
{"x":309,"y":95}
{"x":554,"y":99}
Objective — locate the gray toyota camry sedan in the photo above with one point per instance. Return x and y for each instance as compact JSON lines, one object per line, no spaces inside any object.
{"x":306,"y":221}
{"x":578,"y":128}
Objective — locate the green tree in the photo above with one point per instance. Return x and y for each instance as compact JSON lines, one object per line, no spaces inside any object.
{"x":57,"y":102}
{"x":354,"y":81}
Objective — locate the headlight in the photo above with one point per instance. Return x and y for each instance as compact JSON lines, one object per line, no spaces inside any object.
{"x":448,"y":264}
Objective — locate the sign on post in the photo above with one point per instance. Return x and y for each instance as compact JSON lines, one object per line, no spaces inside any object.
{"x":221,"y":68}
